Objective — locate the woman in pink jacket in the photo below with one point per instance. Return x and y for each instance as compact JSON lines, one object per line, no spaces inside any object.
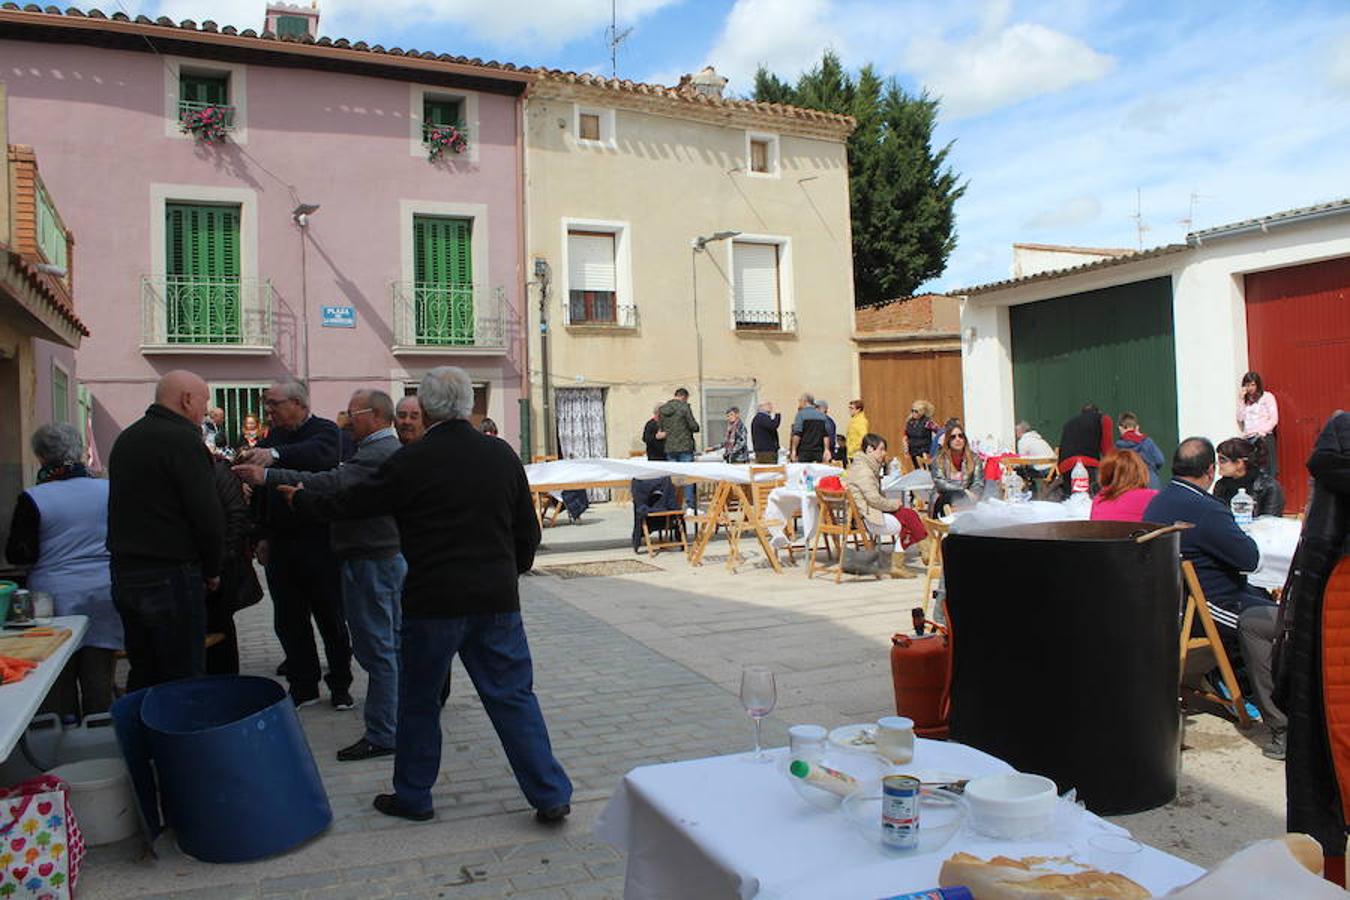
{"x":1257,"y":416}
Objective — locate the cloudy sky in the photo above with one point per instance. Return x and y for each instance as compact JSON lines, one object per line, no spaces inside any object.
{"x":1063,"y":112}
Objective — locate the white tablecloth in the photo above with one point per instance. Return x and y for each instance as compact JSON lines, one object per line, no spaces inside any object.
{"x":785,"y":501}
{"x":1278,"y":539}
{"x":724,"y":827}
{"x":20,"y":700}
{"x":588,"y":471}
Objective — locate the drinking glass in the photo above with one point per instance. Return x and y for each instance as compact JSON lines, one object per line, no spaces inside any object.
{"x":759,"y":695}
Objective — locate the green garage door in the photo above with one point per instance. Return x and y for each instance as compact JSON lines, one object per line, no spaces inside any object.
{"x":1113,"y":347}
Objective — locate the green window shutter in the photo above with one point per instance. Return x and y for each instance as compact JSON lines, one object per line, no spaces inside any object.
{"x":60,"y":396}
{"x":202,"y":291}
{"x":443,"y":272}
{"x":207,"y":89}
{"x":292,"y":26}
{"x":440,"y":112}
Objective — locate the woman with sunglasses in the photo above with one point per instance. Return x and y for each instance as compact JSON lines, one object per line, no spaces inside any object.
{"x":956,"y":472}
{"x":1240,"y":469}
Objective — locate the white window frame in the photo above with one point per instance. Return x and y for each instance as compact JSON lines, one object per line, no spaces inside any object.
{"x":403,"y":384}
{"x":479,"y":231}
{"x":417,"y":96}
{"x":607,"y":139}
{"x":623,"y":266}
{"x":787,"y":302}
{"x":238,"y":75}
{"x":775,"y":168}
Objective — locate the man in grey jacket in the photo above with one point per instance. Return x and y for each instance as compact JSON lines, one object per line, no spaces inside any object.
{"x":372,"y":567}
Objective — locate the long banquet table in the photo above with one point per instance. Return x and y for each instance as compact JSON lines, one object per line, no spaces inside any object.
{"x":20,"y":700}
{"x":725,"y":827}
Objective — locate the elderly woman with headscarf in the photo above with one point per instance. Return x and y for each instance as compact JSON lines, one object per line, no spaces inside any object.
{"x":60,"y":529}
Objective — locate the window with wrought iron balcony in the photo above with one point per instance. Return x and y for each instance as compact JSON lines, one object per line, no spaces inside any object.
{"x":448,"y":317}
{"x":593,"y":299}
{"x":201,"y":303}
{"x":204,"y":108}
{"x":765,"y":320}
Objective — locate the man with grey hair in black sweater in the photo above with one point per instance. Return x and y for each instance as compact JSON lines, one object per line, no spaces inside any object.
{"x":467,"y":526}
{"x":302,"y":572}
{"x":371,"y":565}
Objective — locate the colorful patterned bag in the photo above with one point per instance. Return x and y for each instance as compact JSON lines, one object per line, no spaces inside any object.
{"x":40,"y":843}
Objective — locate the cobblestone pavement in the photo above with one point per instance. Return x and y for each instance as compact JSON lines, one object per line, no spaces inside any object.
{"x":633,"y":669}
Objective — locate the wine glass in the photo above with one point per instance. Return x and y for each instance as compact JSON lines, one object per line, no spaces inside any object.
{"x":759,"y":695}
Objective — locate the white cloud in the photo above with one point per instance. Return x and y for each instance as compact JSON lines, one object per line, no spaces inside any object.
{"x":1073,"y":211}
{"x":787,"y":36}
{"x":1003,"y":64}
{"x":515,"y":25}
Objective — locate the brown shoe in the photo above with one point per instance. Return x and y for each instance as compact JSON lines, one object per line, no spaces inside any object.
{"x":898,"y":567}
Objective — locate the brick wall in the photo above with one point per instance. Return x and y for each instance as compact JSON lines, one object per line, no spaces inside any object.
{"x":926,"y":312}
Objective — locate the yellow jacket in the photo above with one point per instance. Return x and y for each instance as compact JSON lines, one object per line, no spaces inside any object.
{"x":857,"y":430}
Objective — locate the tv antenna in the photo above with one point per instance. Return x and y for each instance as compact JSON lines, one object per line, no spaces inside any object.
{"x":1140,"y":226}
{"x":614,"y":37}
{"x":1195,"y":198}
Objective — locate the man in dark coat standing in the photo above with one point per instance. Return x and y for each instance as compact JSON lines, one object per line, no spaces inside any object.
{"x":166,"y":531}
{"x":468,"y":531}
{"x":302,"y":572}
{"x":764,"y":434}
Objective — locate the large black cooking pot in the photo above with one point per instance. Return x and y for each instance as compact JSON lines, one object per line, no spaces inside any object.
{"x":1065,"y":646}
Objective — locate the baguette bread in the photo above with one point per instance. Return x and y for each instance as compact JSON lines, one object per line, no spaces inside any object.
{"x":1004,"y":878}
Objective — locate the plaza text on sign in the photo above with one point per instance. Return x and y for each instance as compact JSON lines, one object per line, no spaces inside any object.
{"x":339,"y":317}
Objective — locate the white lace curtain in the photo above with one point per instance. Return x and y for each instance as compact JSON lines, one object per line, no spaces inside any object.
{"x":581,"y":426}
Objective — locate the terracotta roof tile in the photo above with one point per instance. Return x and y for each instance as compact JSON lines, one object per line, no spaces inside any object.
{"x":42,"y":283}
{"x":558,"y":75}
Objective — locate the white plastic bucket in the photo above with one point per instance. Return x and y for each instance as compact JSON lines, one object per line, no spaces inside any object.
{"x":102,"y":799}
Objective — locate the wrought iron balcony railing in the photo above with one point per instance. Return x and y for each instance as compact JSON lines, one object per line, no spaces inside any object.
{"x":188,"y":108}
{"x":600,"y":315}
{"x":185,"y":312}
{"x":765,"y":320}
{"x":428,"y":316}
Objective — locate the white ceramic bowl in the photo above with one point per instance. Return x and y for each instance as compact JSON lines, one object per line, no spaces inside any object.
{"x":1012,"y":806}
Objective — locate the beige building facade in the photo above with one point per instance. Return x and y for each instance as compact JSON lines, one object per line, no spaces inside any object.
{"x":622,"y":182}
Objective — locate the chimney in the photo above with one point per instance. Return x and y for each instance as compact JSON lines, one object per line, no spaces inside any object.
{"x":706,"y":83}
{"x":297,"y":22}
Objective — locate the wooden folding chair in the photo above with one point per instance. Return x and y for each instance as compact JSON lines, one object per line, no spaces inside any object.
{"x":1197,"y":607}
{"x":763,"y":481}
{"x":839,"y":523}
{"x":673,"y":524}
{"x":937,"y":531}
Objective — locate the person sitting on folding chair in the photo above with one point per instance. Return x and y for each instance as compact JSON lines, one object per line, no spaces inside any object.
{"x":654,"y":495}
{"x":1221,"y":553}
{"x":882,"y":515}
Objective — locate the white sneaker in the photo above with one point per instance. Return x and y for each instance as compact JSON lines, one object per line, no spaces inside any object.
{"x":690,"y":513}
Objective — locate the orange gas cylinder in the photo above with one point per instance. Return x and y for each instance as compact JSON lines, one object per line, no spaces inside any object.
{"x":921,"y":669}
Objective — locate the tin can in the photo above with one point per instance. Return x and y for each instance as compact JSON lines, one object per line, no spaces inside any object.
{"x":900,"y":812}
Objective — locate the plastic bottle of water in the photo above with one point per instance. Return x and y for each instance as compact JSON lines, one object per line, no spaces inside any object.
{"x":1243,"y":506}
{"x":809,"y":482}
{"x":1079,"y":478}
{"x":1012,"y":486}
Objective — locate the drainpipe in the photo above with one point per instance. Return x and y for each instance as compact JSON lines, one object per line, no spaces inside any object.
{"x":522,"y":182}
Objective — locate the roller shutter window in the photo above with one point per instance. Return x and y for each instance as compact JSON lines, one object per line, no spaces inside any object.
{"x":757,"y":304}
{"x":591,"y":278}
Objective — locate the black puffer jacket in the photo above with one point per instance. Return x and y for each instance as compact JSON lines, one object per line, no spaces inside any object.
{"x":1312,"y":779}
{"x":1266,"y":491}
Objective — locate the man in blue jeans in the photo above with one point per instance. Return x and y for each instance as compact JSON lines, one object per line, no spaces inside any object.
{"x":467,"y":526}
{"x":371,"y":567}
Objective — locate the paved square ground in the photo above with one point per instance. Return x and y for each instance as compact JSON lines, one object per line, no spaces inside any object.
{"x":633,"y":669}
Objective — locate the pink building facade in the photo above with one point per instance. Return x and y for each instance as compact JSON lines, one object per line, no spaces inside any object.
{"x":200,"y":254}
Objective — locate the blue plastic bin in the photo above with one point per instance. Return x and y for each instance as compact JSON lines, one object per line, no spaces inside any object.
{"x":236,"y":778}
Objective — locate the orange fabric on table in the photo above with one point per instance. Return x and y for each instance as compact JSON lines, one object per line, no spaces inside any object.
{"x":12,"y":670}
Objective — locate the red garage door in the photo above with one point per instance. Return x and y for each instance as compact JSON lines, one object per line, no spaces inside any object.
{"x":1298,"y":338}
